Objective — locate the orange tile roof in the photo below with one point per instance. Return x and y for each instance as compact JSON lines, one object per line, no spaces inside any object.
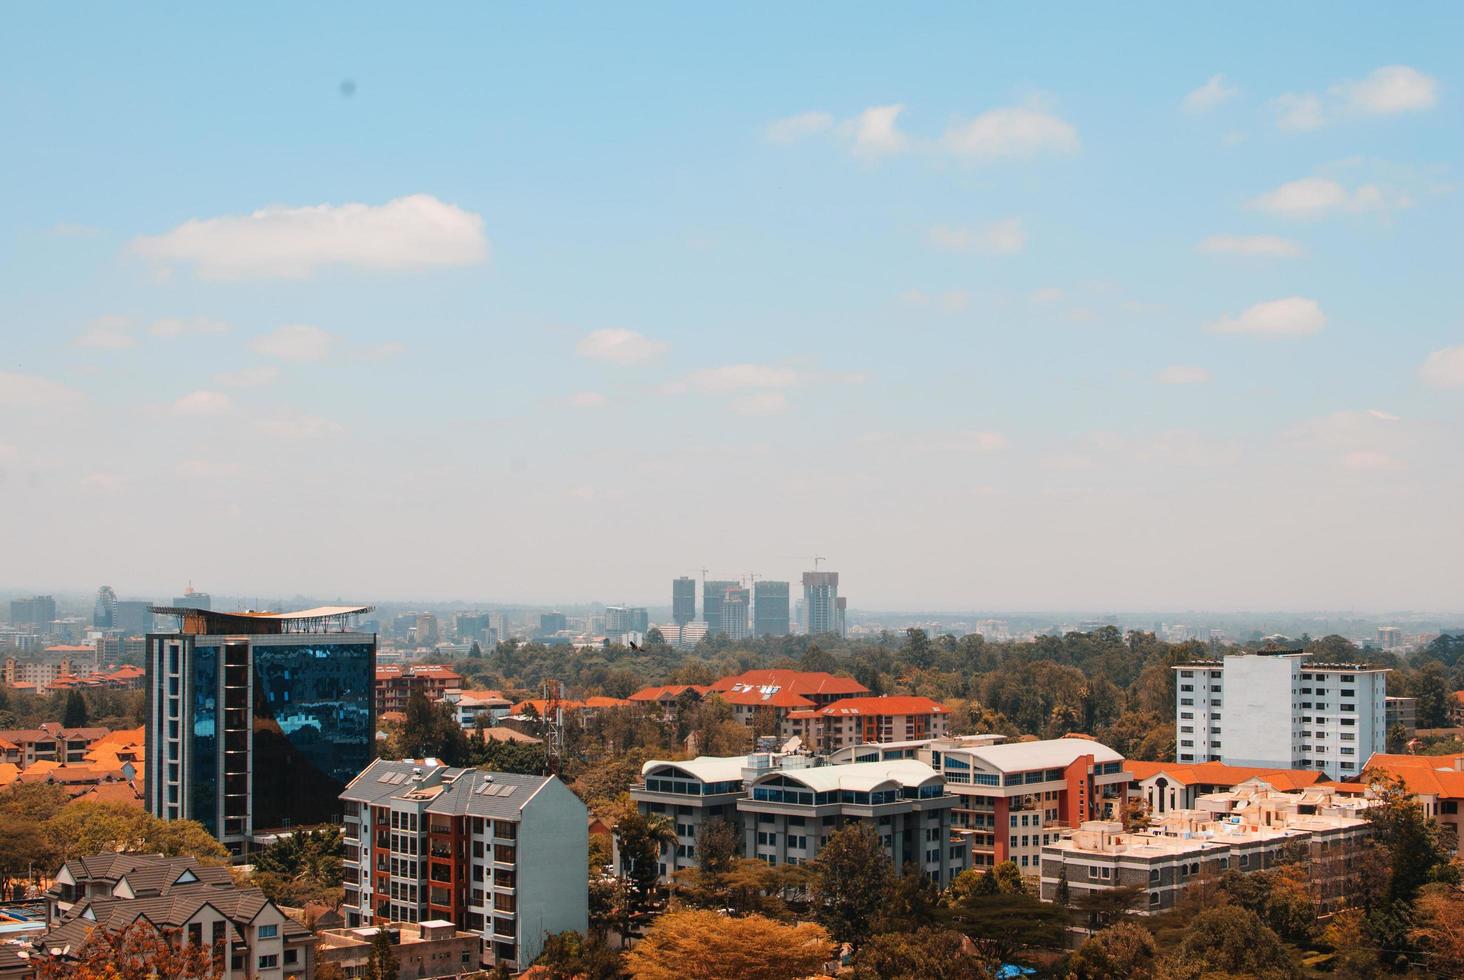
{"x":1219,"y":774}
{"x":9,"y":773}
{"x":667,"y":691}
{"x":796,"y":681}
{"x":774,"y":699}
{"x":889,"y":704}
{"x":1428,"y":775}
{"x":1459,"y":696}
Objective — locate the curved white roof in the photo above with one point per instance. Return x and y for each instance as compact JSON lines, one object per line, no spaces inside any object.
{"x":1051,"y":753}
{"x":707,"y":768}
{"x":858,"y":776}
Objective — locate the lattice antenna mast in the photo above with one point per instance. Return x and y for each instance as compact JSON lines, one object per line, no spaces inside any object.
{"x":553,"y":728}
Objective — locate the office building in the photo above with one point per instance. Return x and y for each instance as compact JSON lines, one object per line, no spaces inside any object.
{"x":132,"y":617}
{"x":866,"y":720}
{"x":497,"y":854}
{"x":714,"y":595}
{"x":1018,"y":797}
{"x":1401,"y":713}
{"x":424,"y":632}
{"x":1252,"y":828}
{"x":1390,"y":638}
{"x":617,"y":622}
{"x":736,"y":606}
{"x":104,"y":612}
{"x":256,"y":721}
{"x":470,"y":627}
{"x":1282,"y":713}
{"x":683,"y":600}
{"x":38,"y":611}
{"x":192,"y":599}
{"x":786,"y":808}
{"x":552,"y":622}
{"x":639,"y":618}
{"x":821,"y":609}
{"x":195,"y":903}
{"x":44,"y":668}
{"x":770,"y":608}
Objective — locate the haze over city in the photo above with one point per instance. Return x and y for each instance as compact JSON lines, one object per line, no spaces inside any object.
{"x":1150,"y":315}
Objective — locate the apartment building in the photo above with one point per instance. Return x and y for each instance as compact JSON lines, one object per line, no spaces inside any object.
{"x":1170,"y":786}
{"x":1438,"y":783}
{"x":1017,"y":797}
{"x":763,"y":698}
{"x":468,"y":705}
{"x":1284,"y":713}
{"x":1252,"y":828}
{"x":497,"y":854}
{"x":256,"y":940}
{"x":865,"y":720}
{"x":784,"y":807}
{"x":42,"y":669}
{"x":667,"y":697}
{"x":396,"y":683}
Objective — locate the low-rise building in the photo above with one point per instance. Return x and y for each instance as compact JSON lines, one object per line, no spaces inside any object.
{"x":1016,"y":797}
{"x":1438,"y":783}
{"x":667,"y":697}
{"x":197,"y":904}
{"x":866,"y":720}
{"x":435,"y":948}
{"x":1252,"y":828}
{"x":500,"y":855}
{"x":468,"y":705}
{"x":1401,"y":712}
{"x":396,"y":683}
{"x":1168,"y":786}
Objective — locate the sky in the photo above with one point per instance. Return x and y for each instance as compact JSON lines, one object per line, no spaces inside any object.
{"x":994,"y":308}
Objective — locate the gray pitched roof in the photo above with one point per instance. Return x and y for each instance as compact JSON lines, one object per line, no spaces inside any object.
{"x":146,"y":874}
{"x":448,"y":790}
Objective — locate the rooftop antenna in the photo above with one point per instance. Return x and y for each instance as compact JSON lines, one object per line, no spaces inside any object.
{"x":553,"y":727}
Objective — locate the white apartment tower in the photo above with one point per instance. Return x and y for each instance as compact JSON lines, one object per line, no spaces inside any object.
{"x":1274,"y":710}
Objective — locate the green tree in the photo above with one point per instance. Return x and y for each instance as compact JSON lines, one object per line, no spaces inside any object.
{"x":641,"y":838}
{"x":75,"y":714}
{"x":1006,"y":923}
{"x":851,"y":879}
{"x":913,"y":903}
{"x":923,"y":954}
{"x":1430,"y":685}
{"x":1122,"y":952}
{"x":303,"y":867}
{"x":716,"y":846}
{"x":95,"y":828}
{"x":1413,"y":844}
{"x":431,"y":730}
{"x":381,"y":962}
{"x":572,"y":956}
{"x":1229,"y":939}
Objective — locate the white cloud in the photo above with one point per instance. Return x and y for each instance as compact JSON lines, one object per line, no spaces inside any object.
{"x":1182,"y":374}
{"x":1298,"y":112}
{"x":103,"y":482}
{"x":1013,"y":131}
{"x":107,"y":333}
{"x":735,"y":377}
{"x":1046,"y":296}
{"x":207,"y":469}
{"x":587,"y":399}
{"x":197,"y":326}
{"x":1209,"y":95}
{"x":30,"y":391}
{"x":1369,"y":459}
{"x":1378,"y":413}
{"x":998,"y":238}
{"x":1390,"y":90}
{"x":794,"y":128}
{"x":875,"y":132}
{"x":950,"y":301}
{"x":1293,"y":316}
{"x":250,"y":377}
{"x":295,"y":242}
{"x":299,"y":342}
{"x":300,"y":426}
{"x":1270,"y":246}
{"x":1444,"y":368}
{"x":1316,"y":197}
{"x":619,"y":346}
{"x":200,"y":403}
{"x":760,"y":403}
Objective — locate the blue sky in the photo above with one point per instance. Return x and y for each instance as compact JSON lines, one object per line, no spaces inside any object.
{"x":1142,"y":309}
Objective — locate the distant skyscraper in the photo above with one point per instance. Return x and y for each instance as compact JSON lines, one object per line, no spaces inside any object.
{"x":104,"y":614}
{"x":770,"y":608}
{"x":132,"y":617}
{"x":1390,"y":637}
{"x":551,"y":623}
{"x":714,"y":593}
{"x":256,"y":721}
{"x":617,"y":621}
{"x":39,"y":611}
{"x":821,"y":611}
{"x":192,"y":600}
{"x":683,"y":600}
{"x":639,"y":619}
{"x":736,"y":603}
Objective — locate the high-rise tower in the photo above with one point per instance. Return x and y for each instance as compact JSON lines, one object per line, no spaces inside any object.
{"x":683,"y":600}
{"x":822,"y":612}
{"x":770,"y":608}
{"x":714,"y":594}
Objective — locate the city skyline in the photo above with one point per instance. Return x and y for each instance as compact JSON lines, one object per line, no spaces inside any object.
{"x":496,"y":311}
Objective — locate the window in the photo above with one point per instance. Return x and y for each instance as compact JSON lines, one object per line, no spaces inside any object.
{"x":1153,"y":899}
{"x":1153,"y":876}
{"x":269,"y":931}
{"x":292,"y":955}
{"x":269,"y":961}
{"x":1349,"y":707}
{"x":1186,"y":700}
{"x":1187,"y":715}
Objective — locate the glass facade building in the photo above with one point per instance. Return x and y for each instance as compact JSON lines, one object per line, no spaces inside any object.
{"x":250,"y":734}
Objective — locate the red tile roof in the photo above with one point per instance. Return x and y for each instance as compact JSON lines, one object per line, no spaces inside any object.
{"x":889,"y":704}
{"x":1219,"y":774}
{"x":798,"y":682}
{"x":667,"y":691}
{"x":1429,"y":775}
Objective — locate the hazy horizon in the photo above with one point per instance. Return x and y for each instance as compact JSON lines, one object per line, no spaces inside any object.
{"x":1137,"y":310}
